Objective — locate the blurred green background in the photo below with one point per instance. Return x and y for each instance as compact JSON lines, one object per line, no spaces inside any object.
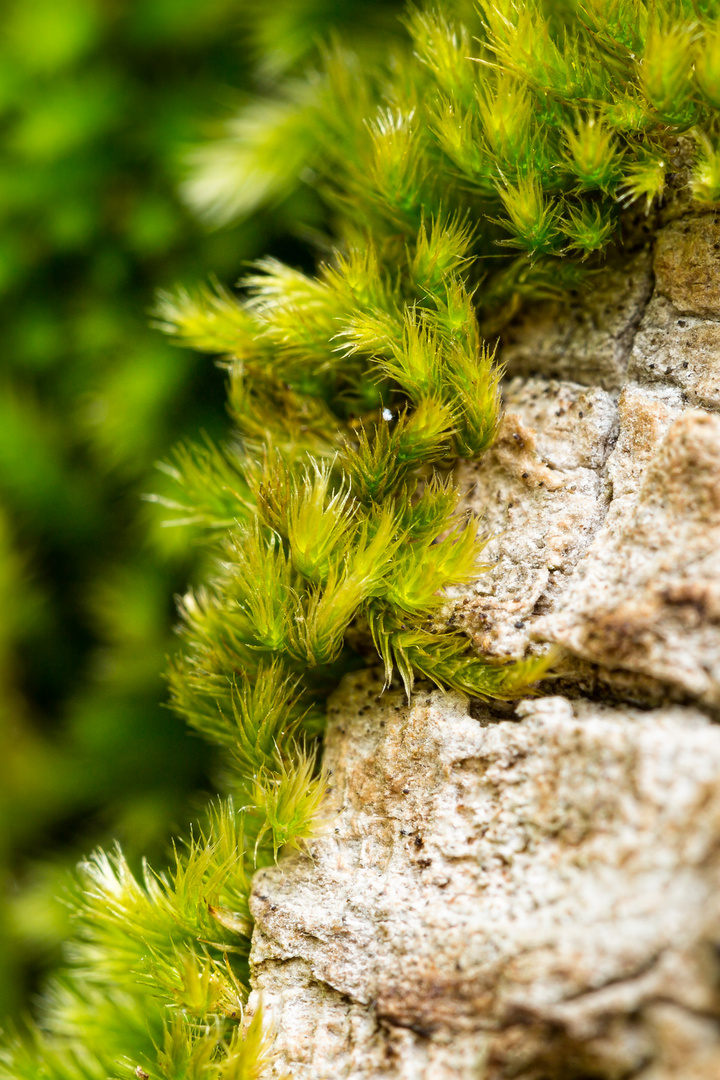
{"x":99,"y":100}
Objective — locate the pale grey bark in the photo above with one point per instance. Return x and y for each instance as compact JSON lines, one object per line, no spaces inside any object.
{"x":534,"y":891}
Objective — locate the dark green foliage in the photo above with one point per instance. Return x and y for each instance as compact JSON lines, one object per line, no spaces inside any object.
{"x":485,"y":161}
{"x":90,"y":222}
{"x":99,"y":102}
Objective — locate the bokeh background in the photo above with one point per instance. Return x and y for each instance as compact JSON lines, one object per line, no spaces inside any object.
{"x":99,"y":102}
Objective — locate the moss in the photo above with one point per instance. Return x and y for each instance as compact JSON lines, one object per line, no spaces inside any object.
{"x":482,"y":162}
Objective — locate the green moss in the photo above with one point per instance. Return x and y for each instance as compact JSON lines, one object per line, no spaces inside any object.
{"x":483,"y":161}
{"x":99,"y":101}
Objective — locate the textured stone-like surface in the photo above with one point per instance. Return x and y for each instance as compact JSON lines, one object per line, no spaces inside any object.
{"x":588,"y":341}
{"x":679,"y":349}
{"x":542,"y":895}
{"x":538,"y":897}
{"x":542,"y":495}
{"x":612,"y":553}
{"x":687,"y":265}
{"x":647,"y":595}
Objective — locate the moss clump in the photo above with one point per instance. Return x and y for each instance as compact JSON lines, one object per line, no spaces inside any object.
{"x":486,"y":161}
{"x":95,"y":99}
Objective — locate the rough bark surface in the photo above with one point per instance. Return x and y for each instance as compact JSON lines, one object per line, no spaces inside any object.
{"x":534,"y":891}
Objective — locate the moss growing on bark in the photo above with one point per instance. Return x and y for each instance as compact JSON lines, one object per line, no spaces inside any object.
{"x":484,"y":161}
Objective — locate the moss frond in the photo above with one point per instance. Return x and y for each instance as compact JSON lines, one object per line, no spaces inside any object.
{"x":212,"y":489}
{"x":208,"y":318}
{"x":291,"y":803}
{"x":530,"y":217}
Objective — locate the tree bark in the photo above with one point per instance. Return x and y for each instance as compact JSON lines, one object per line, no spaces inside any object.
{"x":534,"y":890}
